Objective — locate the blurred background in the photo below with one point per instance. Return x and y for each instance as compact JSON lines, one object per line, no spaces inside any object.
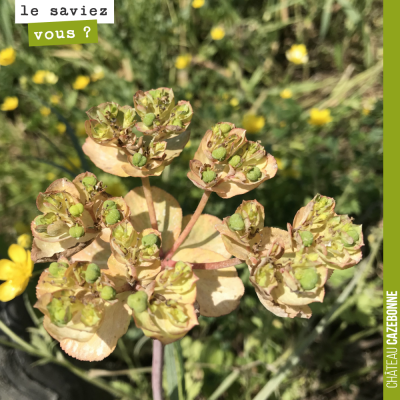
{"x":228,"y":58}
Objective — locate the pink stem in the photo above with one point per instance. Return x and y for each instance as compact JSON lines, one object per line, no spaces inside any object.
{"x":157,"y":369}
{"x":189,"y":226}
{"x":218,"y":265}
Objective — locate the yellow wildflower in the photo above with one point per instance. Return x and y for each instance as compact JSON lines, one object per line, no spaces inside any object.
{"x":297,"y":54}
{"x":253,"y":123}
{"x":286,"y":94}
{"x":45,"y":111}
{"x":51,"y":176}
{"x":7,"y":56}
{"x":55,"y":98}
{"x":98,"y":74}
{"x":217,"y":33}
{"x":319,"y":117}
{"x":81,"y":82}
{"x":9,"y":104}
{"x":23,"y":81}
{"x":183,"y":61}
{"x":61,"y":127}
{"x":25,"y":240}
{"x":197,"y":3}
{"x":366,"y":111}
{"x":16,"y":272}
{"x":41,"y":76}
{"x":234,"y":102}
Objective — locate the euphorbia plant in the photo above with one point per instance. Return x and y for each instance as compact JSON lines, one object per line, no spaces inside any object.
{"x":114,"y":258}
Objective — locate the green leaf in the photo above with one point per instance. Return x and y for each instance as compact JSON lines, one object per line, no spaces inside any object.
{"x":225,"y":385}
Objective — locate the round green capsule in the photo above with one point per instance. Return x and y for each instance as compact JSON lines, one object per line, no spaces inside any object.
{"x":148,"y":119}
{"x":236,"y":222}
{"x":235,"y":161}
{"x":76,"y":231}
{"x":113,"y":216}
{"x":308,"y":278}
{"x":109,"y":205}
{"x":76,"y":210}
{"x":307,"y":238}
{"x":150,"y":240}
{"x":219,"y":154}
{"x":208,"y":176}
{"x":55,"y":269}
{"x":254,"y":174}
{"x":92,"y":273}
{"x":354,"y":235}
{"x":139,"y":160}
{"x":108,"y":293}
{"x":89,"y":181}
{"x":225,"y":128}
{"x":138,"y":301}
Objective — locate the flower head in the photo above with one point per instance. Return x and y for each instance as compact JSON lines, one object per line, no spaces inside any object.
{"x":253,"y":123}
{"x":197,"y":3}
{"x":45,"y":111}
{"x":25,"y":240}
{"x":297,"y":54}
{"x":15,"y":272}
{"x":319,"y":117}
{"x":98,"y":74}
{"x":43,"y":76}
{"x":7,"y":56}
{"x":81,"y":82}
{"x":183,"y":61}
{"x":234,"y":102}
{"x":61,"y":127}
{"x":286,"y":94}
{"x":9,"y":104}
{"x":217,"y":33}
{"x":55,"y":98}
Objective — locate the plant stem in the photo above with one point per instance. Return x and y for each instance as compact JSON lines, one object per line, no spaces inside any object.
{"x":189,"y":226}
{"x":218,"y":265}
{"x":150,"y":204}
{"x":157,"y":370}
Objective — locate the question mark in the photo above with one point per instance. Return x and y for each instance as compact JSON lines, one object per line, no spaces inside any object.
{"x":87,"y":30}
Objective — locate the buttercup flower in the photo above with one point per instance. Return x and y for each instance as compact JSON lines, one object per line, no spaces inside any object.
{"x":16,"y":272}
{"x":286,"y":94}
{"x":217,"y":33}
{"x":319,"y":117}
{"x":297,"y":54}
{"x":197,"y":3}
{"x":61,"y":127}
{"x":98,"y":74}
{"x":25,"y":240}
{"x":81,"y":82}
{"x":183,"y":61}
{"x":7,"y":56}
{"x":253,"y":123}
{"x":55,"y":98}
{"x":9,"y":104}
{"x":45,"y":111}
{"x":43,"y":76}
{"x":234,"y":102}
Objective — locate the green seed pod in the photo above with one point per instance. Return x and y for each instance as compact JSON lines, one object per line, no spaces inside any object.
{"x":77,"y":231}
{"x":92,"y":273}
{"x":236,"y":222}
{"x":354,"y":235}
{"x":139,"y":160}
{"x":113,"y":216}
{"x":89,"y":181}
{"x":307,"y":238}
{"x":208,"y":176}
{"x":150,"y":240}
{"x":254,"y":174}
{"x":108,"y":293}
{"x":225,"y":128}
{"x":148,"y":119}
{"x":57,"y":269}
{"x":109,"y":205}
{"x":219,"y":153}
{"x":138,"y":301}
{"x":60,"y":313}
{"x":76,"y":210}
{"x":308,"y":278}
{"x":177,"y":122}
{"x":235,"y":161}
